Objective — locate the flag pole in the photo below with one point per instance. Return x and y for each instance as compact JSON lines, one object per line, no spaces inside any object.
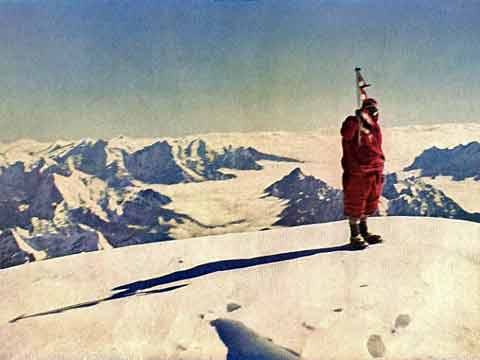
{"x":360,"y":85}
{"x":357,"y":89}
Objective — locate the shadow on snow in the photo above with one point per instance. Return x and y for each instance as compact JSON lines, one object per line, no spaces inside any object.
{"x":136,"y":288}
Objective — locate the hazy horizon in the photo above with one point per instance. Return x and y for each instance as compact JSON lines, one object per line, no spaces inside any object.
{"x":144,"y":68}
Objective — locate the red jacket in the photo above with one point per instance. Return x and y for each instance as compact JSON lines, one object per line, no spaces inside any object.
{"x":364,"y":158}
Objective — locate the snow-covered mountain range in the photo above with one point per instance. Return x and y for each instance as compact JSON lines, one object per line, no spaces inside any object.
{"x":311,"y":200}
{"x":460,"y":162}
{"x":411,"y":196}
{"x":91,"y":194}
{"x":74,"y":196}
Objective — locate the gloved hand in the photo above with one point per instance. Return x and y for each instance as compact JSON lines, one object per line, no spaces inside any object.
{"x":365,"y":119}
{"x":368,"y":119}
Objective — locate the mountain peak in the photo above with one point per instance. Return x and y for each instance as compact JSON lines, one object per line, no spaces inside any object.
{"x":460,"y":162}
{"x":297,"y":173}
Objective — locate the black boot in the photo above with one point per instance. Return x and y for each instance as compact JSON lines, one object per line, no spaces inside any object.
{"x":368,"y":237}
{"x":356,"y":242}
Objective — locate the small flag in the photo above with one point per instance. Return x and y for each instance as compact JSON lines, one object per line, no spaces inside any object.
{"x":361,"y":97}
{"x":361,"y":85}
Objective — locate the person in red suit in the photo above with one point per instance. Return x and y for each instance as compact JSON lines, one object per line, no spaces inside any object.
{"x":362,"y":163}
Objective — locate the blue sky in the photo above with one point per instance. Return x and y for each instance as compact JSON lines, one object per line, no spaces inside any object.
{"x":73,"y":69}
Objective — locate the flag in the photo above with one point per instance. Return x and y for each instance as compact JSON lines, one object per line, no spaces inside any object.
{"x":361,"y":85}
{"x":361,"y":97}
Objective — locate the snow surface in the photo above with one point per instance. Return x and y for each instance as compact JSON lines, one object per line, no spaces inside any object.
{"x":415,"y":296}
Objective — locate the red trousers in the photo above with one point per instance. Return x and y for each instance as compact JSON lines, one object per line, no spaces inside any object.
{"x":361,"y":193}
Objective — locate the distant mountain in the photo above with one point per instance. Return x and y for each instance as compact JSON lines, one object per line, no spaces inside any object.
{"x":245,"y":158}
{"x":11,"y":253}
{"x":460,"y":162}
{"x":89,"y":156}
{"x":26,"y":194}
{"x":70,"y":197}
{"x":155,"y":164}
{"x":161,"y":163}
{"x":310,"y":200}
{"x":413,"y":197}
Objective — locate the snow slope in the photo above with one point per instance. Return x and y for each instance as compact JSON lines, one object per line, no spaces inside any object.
{"x":277,"y":294}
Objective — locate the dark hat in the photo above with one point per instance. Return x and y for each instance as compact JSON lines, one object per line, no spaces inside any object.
{"x":369,"y":102}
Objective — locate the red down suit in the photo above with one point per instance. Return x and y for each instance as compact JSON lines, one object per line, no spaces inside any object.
{"x":362,"y":164}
